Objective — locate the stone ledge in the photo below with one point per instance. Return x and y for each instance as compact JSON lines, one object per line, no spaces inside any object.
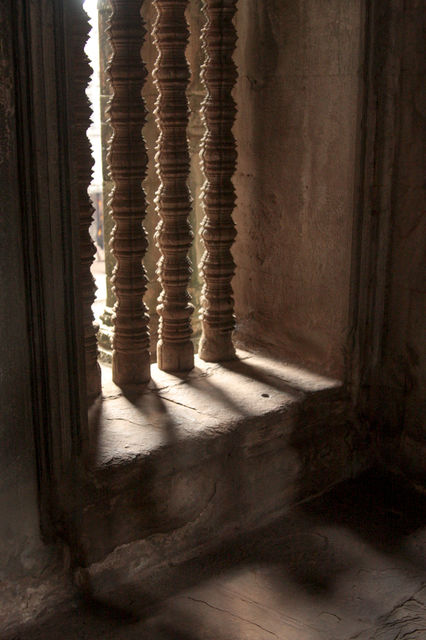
{"x":194,"y":456}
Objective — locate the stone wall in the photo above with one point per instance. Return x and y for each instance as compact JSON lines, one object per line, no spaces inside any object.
{"x":298,"y":95}
{"x":297,"y":128}
{"x":19,"y":523}
{"x":24,"y":558}
{"x":401,"y":401}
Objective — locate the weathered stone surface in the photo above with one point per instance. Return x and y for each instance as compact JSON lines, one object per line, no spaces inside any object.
{"x":298,"y":116}
{"x":406,"y":620}
{"x":31,"y":571}
{"x":79,"y":71}
{"x":401,"y":397}
{"x":346,"y":566}
{"x":223,"y":447}
{"x":219,"y":157}
{"x":128,"y":162}
{"x":297,"y":130}
{"x":22,"y":553}
{"x":175,"y":351}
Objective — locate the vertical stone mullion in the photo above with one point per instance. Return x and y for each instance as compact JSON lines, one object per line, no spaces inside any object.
{"x":219,"y":159}
{"x":81,"y":112}
{"x":128,"y":164}
{"x":175,"y":351}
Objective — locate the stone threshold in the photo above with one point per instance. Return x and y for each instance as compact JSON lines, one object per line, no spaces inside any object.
{"x":196,"y":457}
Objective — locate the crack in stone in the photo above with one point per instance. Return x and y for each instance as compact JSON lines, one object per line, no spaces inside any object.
{"x":408,"y":635}
{"x":181,"y":404}
{"x":234,"y":615}
{"x":391,"y":623}
{"x":398,"y":606}
{"x":328,"y":613}
{"x":137,"y":424}
{"x":291,"y":622}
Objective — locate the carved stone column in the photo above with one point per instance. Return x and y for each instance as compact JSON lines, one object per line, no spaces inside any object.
{"x":219,"y":159}
{"x":81,"y":112}
{"x":105,"y":332}
{"x":128,"y":164}
{"x":175,"y":350}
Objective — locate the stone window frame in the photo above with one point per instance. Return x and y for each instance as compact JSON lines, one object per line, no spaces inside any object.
{"x":50,"y":236}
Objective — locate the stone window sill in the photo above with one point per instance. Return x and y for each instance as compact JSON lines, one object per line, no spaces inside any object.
{"x":200,"y":455}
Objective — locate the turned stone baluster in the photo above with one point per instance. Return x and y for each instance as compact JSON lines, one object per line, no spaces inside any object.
{"x":219,"y":159}
{"x":175,"y":350}
{"x":106,"y":319}
{"x":81,"y":112}
{"x":128,"y":164}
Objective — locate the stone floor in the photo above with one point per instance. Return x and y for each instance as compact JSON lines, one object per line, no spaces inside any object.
{"x":350,"y":565}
